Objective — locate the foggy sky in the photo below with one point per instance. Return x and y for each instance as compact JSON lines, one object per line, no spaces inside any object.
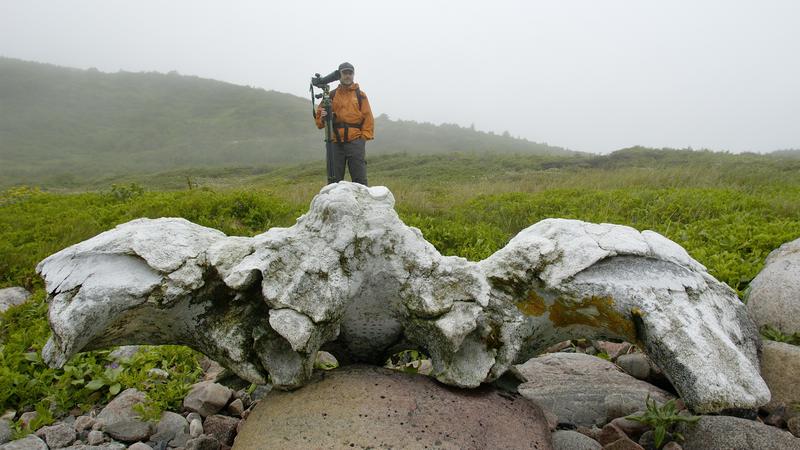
{"x":589,"y":75}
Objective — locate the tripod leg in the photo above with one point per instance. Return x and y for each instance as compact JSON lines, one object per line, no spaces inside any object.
{"x":329,"y":162}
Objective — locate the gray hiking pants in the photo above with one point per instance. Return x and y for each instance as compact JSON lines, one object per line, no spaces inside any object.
{"x":351,"y":154}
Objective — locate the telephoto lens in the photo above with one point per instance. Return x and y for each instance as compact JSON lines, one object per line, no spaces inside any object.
{"x":329,"y":78}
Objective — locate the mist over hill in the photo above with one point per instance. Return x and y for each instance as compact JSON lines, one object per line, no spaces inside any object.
{"x":70,"y":123}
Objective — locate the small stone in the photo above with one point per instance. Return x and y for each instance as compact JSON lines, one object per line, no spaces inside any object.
{"x":83,"y":423}
{"x":211,"y":369}
{"x":623,"y":444}
{"x":610,"y":433}
{"x":632,"y":428}
{"x":207,"y":398}
{"x":635,"y":365}
{"x":57,"y":436}
{"x":592,"y":432}
{"x":140,"y":446}
{"x":325,"y":361}
{"x":223,"y":428}
{"x":647,"y":440}
{"x":672,"y":445}
{"x":98,"y":424}
{"x":26,"y":418}
{"x":793,"y":424}
{"x":612,"y":349}
{"x":128,"y":430}
{"x":9,"y":415}
{"x":590,"y":350}
{"x":170,"y":426}
{"x":776,"y":420}
{"x":95,"y":437}
{"x":193,"y":415}
{"x":236,"y":408}
{"x":5,"y":431}
{"x":29,"y":442}
{"x":195,"y":428}
{"x":203,"y":442}
{"x":572,"y":440}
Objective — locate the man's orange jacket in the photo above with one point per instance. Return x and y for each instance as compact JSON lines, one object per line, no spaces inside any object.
{"x":345,"y":110}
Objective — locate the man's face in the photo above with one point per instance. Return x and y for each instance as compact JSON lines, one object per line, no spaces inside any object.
{"x":347,"y":77}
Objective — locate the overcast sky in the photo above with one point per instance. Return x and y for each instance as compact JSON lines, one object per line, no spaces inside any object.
{"x":589,"y":75}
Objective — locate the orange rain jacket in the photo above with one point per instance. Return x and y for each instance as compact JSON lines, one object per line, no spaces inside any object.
{"x":345,"y":110}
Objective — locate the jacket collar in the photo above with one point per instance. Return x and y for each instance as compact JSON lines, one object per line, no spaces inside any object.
{"x":352,"y":87}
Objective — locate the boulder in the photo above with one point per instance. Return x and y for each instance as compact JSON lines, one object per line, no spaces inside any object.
{"x":583,"y":389}
{"x":352,"y":275}
{"x":572,"y":440}
{"x":773,"y":297}
{"x":373,"y":407}
{"x":733,"y":433}
{"x":12,"y":296}
{"x":780,"y":367}
{"x":203,"y":442}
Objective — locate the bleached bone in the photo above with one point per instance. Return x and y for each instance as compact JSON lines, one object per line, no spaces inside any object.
{"x":352,"y":275}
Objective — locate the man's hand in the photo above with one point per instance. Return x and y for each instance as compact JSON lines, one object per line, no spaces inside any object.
{"x":323,"y":113}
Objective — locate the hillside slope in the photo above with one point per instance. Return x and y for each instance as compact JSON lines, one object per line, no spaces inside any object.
{"x":57,"y":121}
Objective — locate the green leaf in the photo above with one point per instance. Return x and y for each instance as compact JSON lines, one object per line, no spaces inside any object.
{"x":114,"y":390}
{"x":658,"y":435}
{"x":95,"y":384}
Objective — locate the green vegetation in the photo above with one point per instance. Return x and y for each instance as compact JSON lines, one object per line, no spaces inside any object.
{"x":663,"y":420}
{"x":776,"y":335}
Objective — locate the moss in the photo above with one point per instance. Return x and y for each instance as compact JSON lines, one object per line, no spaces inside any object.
{"x":533,"y":305}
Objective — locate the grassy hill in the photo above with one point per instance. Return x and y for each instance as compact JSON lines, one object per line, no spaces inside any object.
{"x":59,"y":124}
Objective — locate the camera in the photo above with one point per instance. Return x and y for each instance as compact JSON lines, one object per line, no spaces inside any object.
{"x":318,"y":81}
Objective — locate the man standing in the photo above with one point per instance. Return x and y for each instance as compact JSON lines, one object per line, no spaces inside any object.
{"x":353,"y":125}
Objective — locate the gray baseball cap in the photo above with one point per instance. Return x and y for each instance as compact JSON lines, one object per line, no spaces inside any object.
{"x":346,"y":66}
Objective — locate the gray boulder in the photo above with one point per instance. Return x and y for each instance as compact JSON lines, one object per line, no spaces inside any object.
{"x":733,"y":433}
{"x":12,"y":296}
{"x":351,"y":274}
{"x":372,"y":407}
{"x":773,"y":297}
{"x":780,"y":367}
{"x":583,"y":389}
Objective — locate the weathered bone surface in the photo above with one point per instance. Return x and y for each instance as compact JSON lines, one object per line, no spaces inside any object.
{"x":351,"y":274}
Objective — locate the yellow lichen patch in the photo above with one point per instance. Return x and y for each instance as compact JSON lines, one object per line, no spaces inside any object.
{"x":596,"y":312}
{"x":533,"y":305}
